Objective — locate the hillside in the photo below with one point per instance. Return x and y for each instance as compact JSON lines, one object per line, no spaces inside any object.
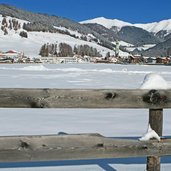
{"x":27,"y":32}
{"x":32,"y":44}
{"x":42,"y":28}
{"x":140,"y":36}
{"x":137,"y":36}
{"x":161,"y":49}
{"x":154,"y":27}
{"x":105,"y":32}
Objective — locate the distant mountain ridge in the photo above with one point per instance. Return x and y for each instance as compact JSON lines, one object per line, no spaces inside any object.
{"x":154,"y":27}
{"x":136,"y":34}
{"x":130,"y":34}
{"x":146,"y":39}
{"x":49,"y":21}
{"x":35,"y":24}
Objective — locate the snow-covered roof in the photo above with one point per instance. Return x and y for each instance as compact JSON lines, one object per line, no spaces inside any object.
{"x":11,"y":51}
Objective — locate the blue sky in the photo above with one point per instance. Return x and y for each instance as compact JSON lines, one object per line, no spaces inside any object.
{"x":134,"y":11}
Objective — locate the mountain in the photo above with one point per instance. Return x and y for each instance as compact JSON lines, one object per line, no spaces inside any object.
{"x":45,"y":19}
{"x":137,"y":36}
{"x":156,"y":34}
{"x":109,"y":34}
{"x":108,"y":23}
{"x":131,"y":33}
{"x":154,"y":27}
{"x":42,"y":28}
{"x":161,"y":49}
{"x":27,"y":32}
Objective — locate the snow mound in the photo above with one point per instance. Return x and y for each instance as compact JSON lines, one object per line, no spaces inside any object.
{"x":149,"y":135}
{"x":154,"y":81}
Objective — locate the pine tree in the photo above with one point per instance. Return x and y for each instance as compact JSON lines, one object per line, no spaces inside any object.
{"x":23,"y":34}
{"x":5,"y":31}
{"x":10,"y":25}
{"x":75,"y":50}
{"x":4,"y":22}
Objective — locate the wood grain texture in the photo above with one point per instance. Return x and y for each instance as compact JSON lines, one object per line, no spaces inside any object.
{"x":84,"y":98}
{"x":83,"y":146}
{"x":156,"y":122}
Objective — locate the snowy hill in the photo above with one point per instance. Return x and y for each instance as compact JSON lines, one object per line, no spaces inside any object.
{"x":31,"y":45}
{"x":10,"y":38}
{"x":42,"y":28}
{"x":27,"y":32}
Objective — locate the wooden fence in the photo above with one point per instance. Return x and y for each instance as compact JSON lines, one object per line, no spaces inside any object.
{"x":85,"y":146}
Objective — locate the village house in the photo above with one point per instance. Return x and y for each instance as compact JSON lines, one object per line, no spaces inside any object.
{"x":135,"y":59}
{"x":13,"y":56}
{"x":9,"y":56}
{"x":162,"y":60}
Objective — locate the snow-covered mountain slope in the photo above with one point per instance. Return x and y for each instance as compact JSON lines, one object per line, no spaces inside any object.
{"x":151,"y":39}
{"x":32,"y":44}
{"x":27,"y":32}
{"x":108,"y":23}
{"x":151,"y":27}
{"x":155,"y":27}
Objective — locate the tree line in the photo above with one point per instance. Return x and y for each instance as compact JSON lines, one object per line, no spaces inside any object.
{"x":12,"y":24}
{"x":64,"y":50}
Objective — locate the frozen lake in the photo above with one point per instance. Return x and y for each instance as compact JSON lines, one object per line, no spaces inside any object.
{"x":108,"y":122}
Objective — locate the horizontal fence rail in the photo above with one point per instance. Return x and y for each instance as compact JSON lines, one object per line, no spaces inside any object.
{"x":72,"y":147}
{"x":67,"y":147}
{"x":84,"y":98}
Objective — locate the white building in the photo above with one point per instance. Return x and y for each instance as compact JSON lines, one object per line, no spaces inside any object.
{"x":58,"y":60}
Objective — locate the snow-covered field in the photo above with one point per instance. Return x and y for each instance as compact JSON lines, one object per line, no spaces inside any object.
{"x":108,"y":122}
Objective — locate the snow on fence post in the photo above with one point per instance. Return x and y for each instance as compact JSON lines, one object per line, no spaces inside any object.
{"x":154,"y":97}
{"x":155,"y":82}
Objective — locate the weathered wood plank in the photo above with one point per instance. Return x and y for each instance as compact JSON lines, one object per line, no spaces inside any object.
{"x":153,"y":163}
{"x":156,"y":122}
{"x":84,"y":146}
{"x":84,"y":98}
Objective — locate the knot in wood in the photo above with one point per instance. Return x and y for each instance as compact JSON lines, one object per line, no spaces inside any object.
{"x":100,"y":145}
{"x":154,"y":97}
{"x":38,"y":103}
{"x":24,"y":145}
{"x":110,"y":95}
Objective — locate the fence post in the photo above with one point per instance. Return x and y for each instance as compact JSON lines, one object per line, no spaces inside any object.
{"x":156,"y":122}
